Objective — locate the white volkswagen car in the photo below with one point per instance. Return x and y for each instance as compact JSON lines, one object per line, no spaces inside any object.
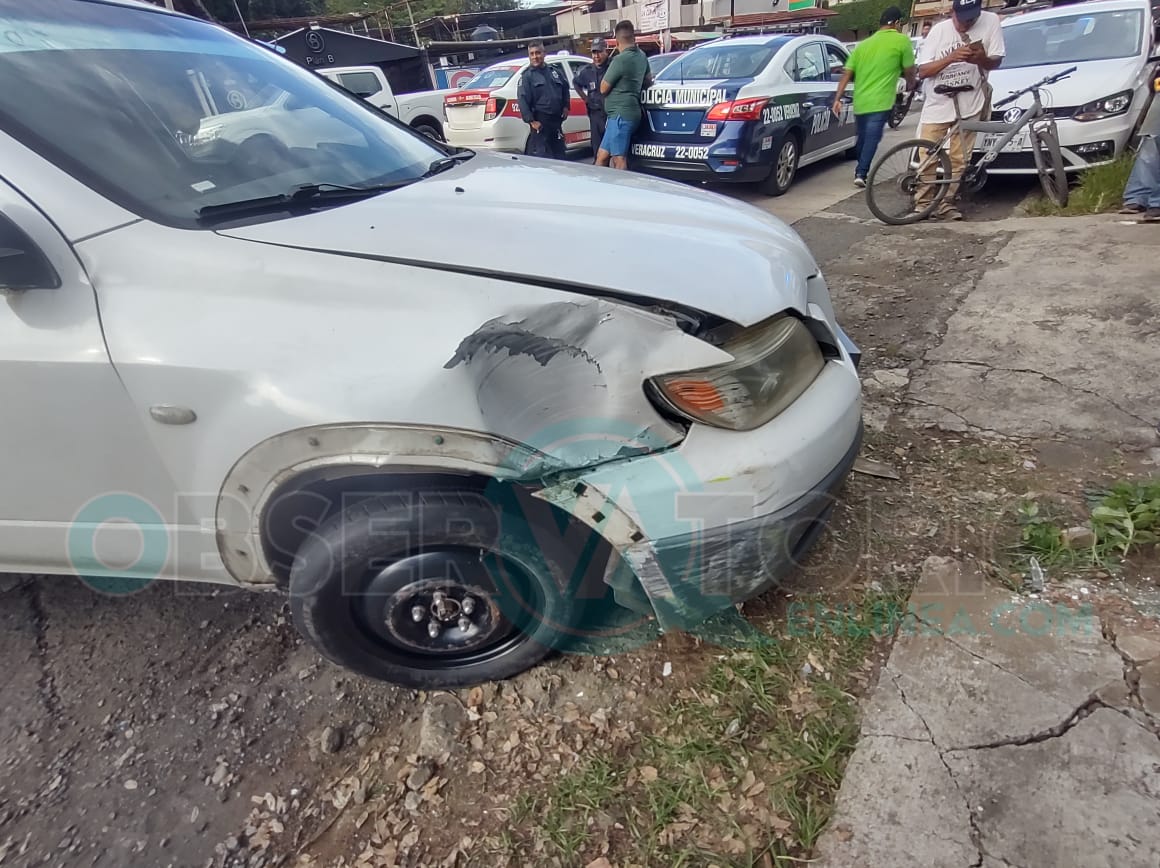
{"x":486,"y":112}
{"x":1098,"y":109}
{"x":335,"y":373}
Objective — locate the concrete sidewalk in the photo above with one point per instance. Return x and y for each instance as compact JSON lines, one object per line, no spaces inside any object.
{"x":1004,"y":731}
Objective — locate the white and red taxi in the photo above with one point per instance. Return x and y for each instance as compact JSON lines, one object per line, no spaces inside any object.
{"x":486,"y":112}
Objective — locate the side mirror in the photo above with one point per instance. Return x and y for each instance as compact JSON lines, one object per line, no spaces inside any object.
{"x":23,"y":264}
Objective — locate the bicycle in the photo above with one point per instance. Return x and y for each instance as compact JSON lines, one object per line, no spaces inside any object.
{"x":920,"y":165}
{"x":901,"y":109}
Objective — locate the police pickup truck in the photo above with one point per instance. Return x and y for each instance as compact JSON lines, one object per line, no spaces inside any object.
{"x":751,"y":108}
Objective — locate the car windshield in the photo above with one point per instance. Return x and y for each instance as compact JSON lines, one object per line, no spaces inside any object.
{"x":1073,"y":38}
{"x":658,"y":62}
{"x":168,"y":115}
{"x":492,"y":78}
{"x":718,"y":61}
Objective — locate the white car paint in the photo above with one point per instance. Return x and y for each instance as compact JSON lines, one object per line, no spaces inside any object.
{"x":179,"y":375}
{"x":466,"y":124}
{"x":422,"y":111}
{"x":1093,"y":80}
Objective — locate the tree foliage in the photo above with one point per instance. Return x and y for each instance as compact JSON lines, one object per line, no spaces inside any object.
{"x":421,"y":9}
{"x":860,"y":17}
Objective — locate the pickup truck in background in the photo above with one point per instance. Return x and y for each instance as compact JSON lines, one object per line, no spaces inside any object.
{"x":421,"y":111}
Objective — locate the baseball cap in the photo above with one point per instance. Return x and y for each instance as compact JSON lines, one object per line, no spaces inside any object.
{"x":967,"y":10}
{"x":890,"y":15}
{"x":599,"y":44}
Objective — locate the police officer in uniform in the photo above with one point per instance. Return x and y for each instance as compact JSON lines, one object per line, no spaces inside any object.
{"x":544,"y":101}
{"x":587,"y":84}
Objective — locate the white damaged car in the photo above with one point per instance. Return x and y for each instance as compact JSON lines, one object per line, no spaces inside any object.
{"x":328,"y":368}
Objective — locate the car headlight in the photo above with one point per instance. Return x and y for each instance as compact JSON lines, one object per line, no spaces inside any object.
{"x":1108,"y":107}
{"x":773,"y":363}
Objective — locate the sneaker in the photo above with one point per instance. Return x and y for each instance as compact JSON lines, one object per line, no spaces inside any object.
{"x":949,"y":214}
{"x":1133,"y":208}
{"x":859,"y":182}
{"x":1152,"y":215}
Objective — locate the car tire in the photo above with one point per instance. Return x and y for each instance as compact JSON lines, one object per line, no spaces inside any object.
{"x":1049,"y":164}
{"x":364,"y":588}
{"x":784,"y":169}
{"x":429,"y":131}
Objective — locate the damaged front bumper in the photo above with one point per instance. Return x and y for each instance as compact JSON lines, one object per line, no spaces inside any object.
{"x":710,"y":569}
{"x":725,"y":515}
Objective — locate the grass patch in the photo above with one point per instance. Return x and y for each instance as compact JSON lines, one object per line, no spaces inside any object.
{"x":1100,"y":189}
{"x":1122,"y":518}
{"x":741,"y":768}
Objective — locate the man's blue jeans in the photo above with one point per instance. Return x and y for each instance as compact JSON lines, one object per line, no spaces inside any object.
{"x":869,"y":127}
{"x":1144,"y":183}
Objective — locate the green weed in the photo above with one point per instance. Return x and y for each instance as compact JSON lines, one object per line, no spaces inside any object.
{"x":1122,"y":519}
{"x":1099,"y":189}
{"x":751,"y":756}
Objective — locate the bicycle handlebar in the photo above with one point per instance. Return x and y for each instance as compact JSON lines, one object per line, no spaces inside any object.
{"x":1051,"y":79}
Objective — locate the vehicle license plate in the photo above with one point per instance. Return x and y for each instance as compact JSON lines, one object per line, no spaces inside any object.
{"x":1021,"y":142}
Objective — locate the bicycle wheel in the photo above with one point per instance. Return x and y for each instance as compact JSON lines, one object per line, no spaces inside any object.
{"x":1049,"y":164}
{"x":893,"y":181}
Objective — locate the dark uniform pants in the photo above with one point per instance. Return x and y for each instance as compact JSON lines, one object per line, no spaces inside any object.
{"x":548,"y":142}
{"x":597,"y":121}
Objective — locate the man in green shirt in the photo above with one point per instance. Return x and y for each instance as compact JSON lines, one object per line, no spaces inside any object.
{"x":627,"y":75}
{"x":876,"y":64}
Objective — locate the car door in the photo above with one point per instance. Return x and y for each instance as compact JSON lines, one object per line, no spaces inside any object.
{"x":576,"y":131}
{"x":808,"y":69}
{"x":368,"y":84}
{"x":83,"y":489}
{"x":842,"y":128}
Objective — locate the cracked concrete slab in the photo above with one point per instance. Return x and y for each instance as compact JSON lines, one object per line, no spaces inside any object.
{"x":985,"y":737}
{"x":1138,"y":646}
{"x":1089,"y":798}
{"x":1069,"y":348}
{"x":970,"y":648}
{"x":911,"y":790}
{"x":1149,"y":687}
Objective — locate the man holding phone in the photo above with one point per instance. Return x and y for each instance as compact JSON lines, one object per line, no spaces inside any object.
{"x":959,"y":51}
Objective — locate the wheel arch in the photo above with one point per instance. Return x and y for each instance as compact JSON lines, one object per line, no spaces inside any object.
{"x":274,"y":480}
{"x":430,"y":121}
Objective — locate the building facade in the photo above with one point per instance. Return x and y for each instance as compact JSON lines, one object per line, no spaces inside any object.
{"x":696,"y":18}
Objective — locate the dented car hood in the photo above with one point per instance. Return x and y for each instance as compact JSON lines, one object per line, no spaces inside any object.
{"x":574,"y":227}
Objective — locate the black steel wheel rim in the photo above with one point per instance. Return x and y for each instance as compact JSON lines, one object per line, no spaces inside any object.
{"x":442,"y":609}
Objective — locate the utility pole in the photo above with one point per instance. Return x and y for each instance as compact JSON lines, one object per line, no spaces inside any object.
{"x":414,"y":29}
{"x":242,"y":18}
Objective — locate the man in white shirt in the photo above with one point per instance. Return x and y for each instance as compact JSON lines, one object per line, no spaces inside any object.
{"x":959,"y":51}
{"x":920,"y":40}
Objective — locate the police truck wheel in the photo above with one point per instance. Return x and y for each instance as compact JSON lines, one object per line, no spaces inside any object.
{"x":436,"y":590}
{"x":784,"y":168}
{"x":430,"y":131}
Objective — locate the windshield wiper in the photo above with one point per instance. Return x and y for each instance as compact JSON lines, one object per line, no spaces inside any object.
{"x":445,"y":163}
{"x":305,"y":196}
